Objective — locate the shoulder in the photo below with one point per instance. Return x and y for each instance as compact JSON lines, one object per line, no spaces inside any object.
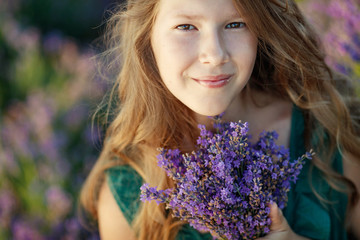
{"x":112,"y":223}
{"x":118,"y":202}
{"x":124,"y":183}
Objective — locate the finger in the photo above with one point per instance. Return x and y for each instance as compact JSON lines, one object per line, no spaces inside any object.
{"x":278,"y":222}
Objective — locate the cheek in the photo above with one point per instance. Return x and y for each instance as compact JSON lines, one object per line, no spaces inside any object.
{"x":244,"y":53}
{"x":173,"y":54}
{"x":180,"y":44}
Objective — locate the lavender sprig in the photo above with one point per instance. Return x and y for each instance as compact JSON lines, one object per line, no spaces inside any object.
{"x":226,"y":185}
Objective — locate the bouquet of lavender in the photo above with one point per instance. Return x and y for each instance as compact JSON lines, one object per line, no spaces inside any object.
{"x":226,"y":185}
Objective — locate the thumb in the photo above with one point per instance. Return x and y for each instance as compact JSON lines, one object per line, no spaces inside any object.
{"x":278,"y":221}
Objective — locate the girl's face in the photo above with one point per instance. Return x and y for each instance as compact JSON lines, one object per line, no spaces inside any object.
{"x":204,"y":51}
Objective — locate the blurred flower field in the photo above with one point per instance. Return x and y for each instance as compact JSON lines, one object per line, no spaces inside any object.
{"x":337,"y":22}
{"x":48,"y":94}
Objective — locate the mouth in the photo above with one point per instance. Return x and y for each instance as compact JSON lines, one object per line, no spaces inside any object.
{"x":214,"y":81}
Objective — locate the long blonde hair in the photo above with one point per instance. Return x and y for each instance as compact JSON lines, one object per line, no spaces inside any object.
{"x":290,"y":64}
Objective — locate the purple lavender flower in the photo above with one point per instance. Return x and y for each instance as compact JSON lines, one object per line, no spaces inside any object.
{"x":25,"y":230}
{"x":58,"y":201}
{"x":226,"y":185}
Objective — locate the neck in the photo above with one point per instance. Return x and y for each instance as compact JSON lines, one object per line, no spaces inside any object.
{"x":240,"y":108}
{"x":262,"y":111}
{"x":246,"y":104}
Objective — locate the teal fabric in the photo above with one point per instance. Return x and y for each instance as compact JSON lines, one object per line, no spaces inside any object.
{"x":306,"y":215}
{"x":125,"y":183}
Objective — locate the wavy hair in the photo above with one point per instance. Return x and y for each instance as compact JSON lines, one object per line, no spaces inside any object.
{"x":290,"y":64}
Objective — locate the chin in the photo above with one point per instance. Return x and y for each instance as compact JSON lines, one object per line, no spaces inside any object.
{"x":209,"y":112}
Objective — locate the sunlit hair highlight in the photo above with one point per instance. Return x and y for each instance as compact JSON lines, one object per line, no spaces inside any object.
{"x":291,"y":64}
{"x":146,"y":116}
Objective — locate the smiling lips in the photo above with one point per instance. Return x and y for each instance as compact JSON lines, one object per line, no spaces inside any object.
{"x":214,"y":81}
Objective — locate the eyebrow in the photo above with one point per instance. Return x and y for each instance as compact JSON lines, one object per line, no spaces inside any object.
{"x":200,"y":17}
{"x":189,"y":16}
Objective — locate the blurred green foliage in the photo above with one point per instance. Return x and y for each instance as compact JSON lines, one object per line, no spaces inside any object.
{"x":80,"y":19}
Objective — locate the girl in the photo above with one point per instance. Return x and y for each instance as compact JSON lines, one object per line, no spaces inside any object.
{"x":255,"y":60}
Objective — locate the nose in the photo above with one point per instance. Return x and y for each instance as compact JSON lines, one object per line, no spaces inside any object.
{"x":213,"y":50}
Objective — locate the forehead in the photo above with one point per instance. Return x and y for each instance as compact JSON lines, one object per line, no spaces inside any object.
{"x":197,"y":9}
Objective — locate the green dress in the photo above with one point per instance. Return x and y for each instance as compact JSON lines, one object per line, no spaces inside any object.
{"x":306,"y":215}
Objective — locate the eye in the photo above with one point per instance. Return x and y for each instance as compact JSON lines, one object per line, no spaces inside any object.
{"x":235,"y":25}
{"x":186,"y":27}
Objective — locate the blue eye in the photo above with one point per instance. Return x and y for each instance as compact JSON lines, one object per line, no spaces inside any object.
{"x":185,"y":27}
{"x":235,"y":25}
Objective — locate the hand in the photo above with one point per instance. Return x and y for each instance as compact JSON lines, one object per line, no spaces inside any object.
{"x":279,"y":228}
